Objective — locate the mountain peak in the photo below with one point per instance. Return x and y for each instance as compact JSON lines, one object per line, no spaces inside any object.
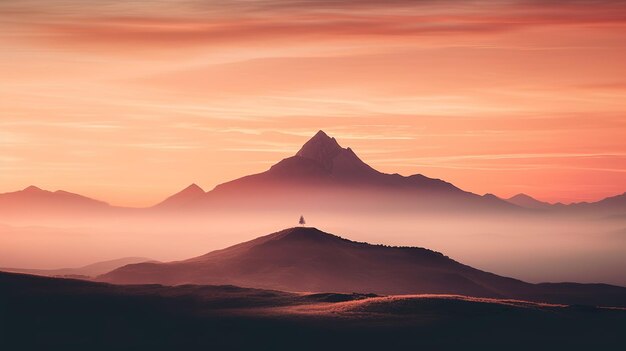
{"x":183,"y":197}
{"x":524,"y":200}
{"x":306,"y":238}
{"x":321,"y":134}
{"x":521,"y":196}
{"x":32,"y":188}
{"x":304,"y":231}
{"x":301,"y":232}
{"x":321,"y":148}
{"x":192,"y":189}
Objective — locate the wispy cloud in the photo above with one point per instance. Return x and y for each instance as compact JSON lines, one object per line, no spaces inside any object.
{"x":172,"y":88}
{"x":218,"y":22}
{"x":517,"y":156}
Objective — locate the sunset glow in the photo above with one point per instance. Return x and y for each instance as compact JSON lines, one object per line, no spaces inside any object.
{"x":313,"y":174}
{"x":128,"y":102}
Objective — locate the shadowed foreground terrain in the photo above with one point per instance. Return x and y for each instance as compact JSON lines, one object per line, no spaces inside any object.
{"x":39,"y":311}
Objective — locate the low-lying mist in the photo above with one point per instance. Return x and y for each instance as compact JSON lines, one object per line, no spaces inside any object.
{"x":535,"y":248}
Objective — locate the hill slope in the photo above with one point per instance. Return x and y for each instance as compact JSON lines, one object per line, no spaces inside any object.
{"x":40,"y":312}
{"x":307,"y":259}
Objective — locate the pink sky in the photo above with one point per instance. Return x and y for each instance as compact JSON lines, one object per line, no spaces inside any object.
{"x":129,"y":102}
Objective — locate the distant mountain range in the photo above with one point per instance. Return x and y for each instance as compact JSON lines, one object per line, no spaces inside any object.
{"x":33,"y":200}
{"x":324,"y":175}
{"x":321,"y":175}
{"x":523,"y":200}
{"x":309,"y":260}
{"x":88,"y":271}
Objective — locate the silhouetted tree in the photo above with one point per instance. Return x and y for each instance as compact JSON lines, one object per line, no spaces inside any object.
{"x":302,"y":221}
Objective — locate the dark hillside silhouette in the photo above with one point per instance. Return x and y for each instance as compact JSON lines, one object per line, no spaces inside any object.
{"x":42,"y":312}
{"x":307,"y":259}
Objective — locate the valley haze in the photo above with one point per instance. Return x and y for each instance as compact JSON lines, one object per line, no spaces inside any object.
{"x":329,"y":184}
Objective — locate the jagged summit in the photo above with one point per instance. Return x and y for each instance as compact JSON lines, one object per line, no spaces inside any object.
{"x":322,"y":163}
{"x":321,"y":148}
{"x":333,"y":158}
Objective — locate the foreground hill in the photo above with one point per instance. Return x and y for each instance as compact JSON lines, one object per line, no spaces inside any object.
{"x":40,"y":312}
{"x":307,"y":259}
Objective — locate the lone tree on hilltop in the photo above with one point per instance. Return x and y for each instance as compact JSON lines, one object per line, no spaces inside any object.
{"x":302,"y":221}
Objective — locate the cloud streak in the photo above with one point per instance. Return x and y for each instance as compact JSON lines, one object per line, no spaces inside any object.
{"x":217,"y":23}
{"x":458,"y":90}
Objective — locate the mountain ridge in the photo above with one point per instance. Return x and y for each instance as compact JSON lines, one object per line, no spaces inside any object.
{"x":34,"y":198}
{"x":321,"y":172}
{"x":90,"y":270}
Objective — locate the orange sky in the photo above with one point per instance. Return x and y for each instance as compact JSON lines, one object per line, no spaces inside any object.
{"x":129,"y":102}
